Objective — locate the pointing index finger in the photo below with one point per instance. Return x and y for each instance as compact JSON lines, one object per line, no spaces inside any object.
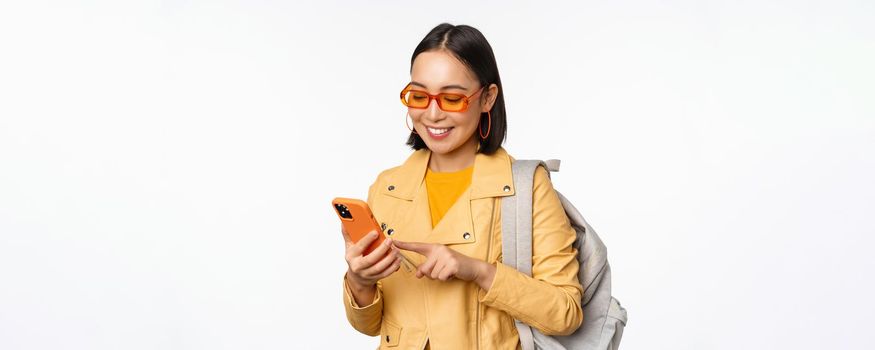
{"x":421,"y":248}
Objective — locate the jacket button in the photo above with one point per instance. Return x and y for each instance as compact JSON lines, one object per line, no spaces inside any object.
{"x":387,"y":338}
{"x":506,"y":188}
{"x":390,"y":232}
{"x":391,"y":187}
{"x":383,"y":226}
{"x":466,"y":235}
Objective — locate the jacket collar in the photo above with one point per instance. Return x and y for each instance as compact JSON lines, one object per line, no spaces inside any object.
{"x":492,"y":175}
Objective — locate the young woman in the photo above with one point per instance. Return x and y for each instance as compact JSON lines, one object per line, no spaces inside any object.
{"x":442,"y":207}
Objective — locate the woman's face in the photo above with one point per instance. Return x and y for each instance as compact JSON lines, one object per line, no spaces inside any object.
{"x":445,"y":132}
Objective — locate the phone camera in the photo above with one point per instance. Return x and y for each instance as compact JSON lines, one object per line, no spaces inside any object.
{"x":343,"y":211}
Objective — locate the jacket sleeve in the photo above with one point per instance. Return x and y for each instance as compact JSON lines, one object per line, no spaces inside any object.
{"x":365,"y":319}
{"x":549,"y":300}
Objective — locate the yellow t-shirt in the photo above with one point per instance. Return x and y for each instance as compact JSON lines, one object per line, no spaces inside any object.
{"x":444,"y":189}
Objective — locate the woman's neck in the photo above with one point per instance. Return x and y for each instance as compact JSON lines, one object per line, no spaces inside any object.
{"x":456,"y":160}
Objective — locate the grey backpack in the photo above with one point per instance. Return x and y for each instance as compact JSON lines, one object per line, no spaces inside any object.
{"x":603,"y":317}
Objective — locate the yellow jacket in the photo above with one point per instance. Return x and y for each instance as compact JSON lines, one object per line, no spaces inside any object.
{"x":458,"y":314}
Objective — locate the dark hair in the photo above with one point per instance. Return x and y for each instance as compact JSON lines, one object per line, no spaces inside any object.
{"x":470,"y":47}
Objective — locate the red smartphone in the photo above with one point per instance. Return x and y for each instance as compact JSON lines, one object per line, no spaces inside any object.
{"x":358,"y":220}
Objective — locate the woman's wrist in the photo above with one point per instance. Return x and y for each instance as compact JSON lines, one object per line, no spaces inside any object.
{"x":485,"y":275}
{"x":363,"y":293}
{"x":356,"y":284}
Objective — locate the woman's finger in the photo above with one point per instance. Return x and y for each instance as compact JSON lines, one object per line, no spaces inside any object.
{"x":390,"y":270}
{"x":421,"y":248}
{"x":446,"y":273}
{"x":381,"y":265}
{"x":435,"y":272}
{"x":376,"y":255}
{"x":425,"y":268}
{"x":359,"y":247}
{"x":393,"y":261}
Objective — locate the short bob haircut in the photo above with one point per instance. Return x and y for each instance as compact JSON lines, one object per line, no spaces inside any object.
{"x":470,"y":47}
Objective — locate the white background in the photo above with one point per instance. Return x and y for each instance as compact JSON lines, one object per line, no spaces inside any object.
{"x":166,"y":167}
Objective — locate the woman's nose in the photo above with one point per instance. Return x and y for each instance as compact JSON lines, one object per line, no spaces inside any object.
{"x":433,"y":112}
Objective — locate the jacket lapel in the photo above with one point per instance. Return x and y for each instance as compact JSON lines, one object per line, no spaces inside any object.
{"x":492,"y":177}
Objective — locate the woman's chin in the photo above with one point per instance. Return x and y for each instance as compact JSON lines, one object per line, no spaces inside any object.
{"x":444,"y":147}
{"x":439,"y":148}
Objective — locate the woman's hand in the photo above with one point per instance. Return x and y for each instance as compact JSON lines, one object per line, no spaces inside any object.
{"x":443,"y":263}
{"x":365,"y":271}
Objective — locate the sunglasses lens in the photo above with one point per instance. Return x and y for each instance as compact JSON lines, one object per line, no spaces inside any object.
{"x":416,"y":99}
{"x":452,"y":102}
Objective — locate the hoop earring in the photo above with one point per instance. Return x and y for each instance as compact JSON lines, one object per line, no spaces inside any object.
{"x":488,"y":126}
{"x":406,"y":115}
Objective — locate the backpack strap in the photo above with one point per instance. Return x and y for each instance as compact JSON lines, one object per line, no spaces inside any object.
{"x":516,"y":230}
{"x":552,"y":165}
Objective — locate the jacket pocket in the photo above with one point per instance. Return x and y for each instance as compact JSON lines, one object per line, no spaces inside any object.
{"x":390,"y":334}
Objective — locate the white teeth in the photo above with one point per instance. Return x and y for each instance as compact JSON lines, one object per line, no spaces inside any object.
{"x":438,"y":131}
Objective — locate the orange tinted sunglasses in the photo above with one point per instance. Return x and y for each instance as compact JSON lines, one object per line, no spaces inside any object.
{"x":448,"y":102}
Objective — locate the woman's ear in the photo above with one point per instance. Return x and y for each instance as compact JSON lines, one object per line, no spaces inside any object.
{"x":490,"y":95}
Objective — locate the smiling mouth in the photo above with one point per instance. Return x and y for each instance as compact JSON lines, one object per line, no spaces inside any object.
{"x":437,"y":131}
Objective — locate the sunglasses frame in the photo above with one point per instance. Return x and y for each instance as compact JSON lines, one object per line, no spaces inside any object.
{"x":465,"y":99}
